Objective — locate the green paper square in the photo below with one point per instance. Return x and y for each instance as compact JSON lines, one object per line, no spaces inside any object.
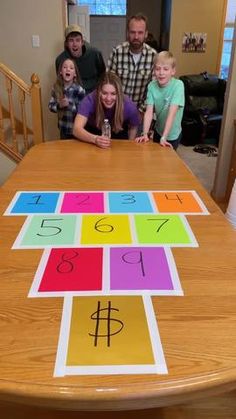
{"x":161,"y":229}
{"x":52,"y":230}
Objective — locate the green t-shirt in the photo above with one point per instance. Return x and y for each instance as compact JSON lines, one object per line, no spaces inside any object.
{"x":161,"y":98}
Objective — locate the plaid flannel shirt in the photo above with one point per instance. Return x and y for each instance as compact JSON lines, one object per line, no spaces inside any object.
{"x":134,"y":77}
{"x":75,"y":93}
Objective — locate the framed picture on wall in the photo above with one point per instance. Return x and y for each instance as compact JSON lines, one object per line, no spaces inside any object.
{"x":194,"y":42}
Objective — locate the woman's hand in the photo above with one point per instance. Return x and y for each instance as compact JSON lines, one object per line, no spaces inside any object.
{"x":102,"y":141}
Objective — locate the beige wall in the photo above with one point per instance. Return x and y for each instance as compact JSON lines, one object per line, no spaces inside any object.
{"x":196,"y":16}
{"x":19,"y":20}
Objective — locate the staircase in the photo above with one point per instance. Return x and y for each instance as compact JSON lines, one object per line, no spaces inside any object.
{"x":21,"y":122}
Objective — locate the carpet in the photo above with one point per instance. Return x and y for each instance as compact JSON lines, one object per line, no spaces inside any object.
{"x":202,"y":165}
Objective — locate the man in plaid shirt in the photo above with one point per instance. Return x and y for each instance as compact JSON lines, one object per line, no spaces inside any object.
{"x":132,"y":60}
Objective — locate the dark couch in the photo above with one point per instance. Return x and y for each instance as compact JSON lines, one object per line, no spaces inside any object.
{"x":204,"y":102}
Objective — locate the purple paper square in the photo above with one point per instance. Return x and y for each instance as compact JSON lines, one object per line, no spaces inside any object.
{"x":139,"y":268}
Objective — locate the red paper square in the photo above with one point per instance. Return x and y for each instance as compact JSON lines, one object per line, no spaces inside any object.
{"x":73,"y":269}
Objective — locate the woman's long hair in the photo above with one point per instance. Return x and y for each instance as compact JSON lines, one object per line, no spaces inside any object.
{"x":117,"y":124}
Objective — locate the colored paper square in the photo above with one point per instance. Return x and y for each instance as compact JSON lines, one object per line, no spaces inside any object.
{"x":129,"y":202}
{"x":77,"y":269}
{"x":35,"y":202}
{"x":106,"y":229}
{"x":54,"y":230}
{"x":139,"y":268}
{"x":161,"y":229}
{"x":107,"y":327}
{"x":184,"y":202}
{"x":82,"y":202}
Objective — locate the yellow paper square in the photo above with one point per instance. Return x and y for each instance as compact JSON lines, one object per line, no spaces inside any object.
{"x":105,"y":229}
{"x":94,"y":318}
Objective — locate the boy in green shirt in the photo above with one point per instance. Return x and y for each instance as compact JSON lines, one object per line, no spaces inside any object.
{"x":165,"y":97}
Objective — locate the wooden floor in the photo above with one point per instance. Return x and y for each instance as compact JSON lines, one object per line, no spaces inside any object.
{"x":219,"y":407}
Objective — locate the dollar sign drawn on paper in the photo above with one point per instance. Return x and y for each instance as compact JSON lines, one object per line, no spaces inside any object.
{"x":105,"y":320}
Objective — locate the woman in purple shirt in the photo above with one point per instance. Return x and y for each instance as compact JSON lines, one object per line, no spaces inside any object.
{"x":106,"y":102}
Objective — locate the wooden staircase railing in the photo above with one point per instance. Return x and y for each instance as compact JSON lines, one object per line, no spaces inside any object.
{"x":21,"y":121}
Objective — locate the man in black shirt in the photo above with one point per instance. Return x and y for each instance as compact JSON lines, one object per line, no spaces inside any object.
{"x":89,"y":60}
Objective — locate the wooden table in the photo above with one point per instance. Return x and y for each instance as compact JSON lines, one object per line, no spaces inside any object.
{"x":198,"y":330}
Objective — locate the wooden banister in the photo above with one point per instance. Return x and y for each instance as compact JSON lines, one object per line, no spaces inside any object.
{"x":21,"y":121}
{"x":12,"y":76}
{"x":16,"y":157}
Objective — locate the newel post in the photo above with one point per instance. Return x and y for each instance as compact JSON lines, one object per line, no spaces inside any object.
{"x":36,"y":105}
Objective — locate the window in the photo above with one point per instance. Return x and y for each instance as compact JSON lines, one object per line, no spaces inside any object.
{"x":105,"y":7}
{"x":228,"y":39}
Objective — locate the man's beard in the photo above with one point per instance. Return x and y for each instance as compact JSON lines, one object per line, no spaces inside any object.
{"x":136,"y":46}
